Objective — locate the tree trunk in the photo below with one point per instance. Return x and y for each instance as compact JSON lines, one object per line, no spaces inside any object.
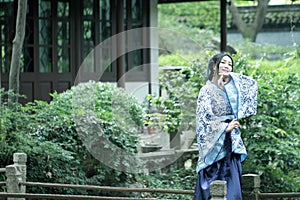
{"x":250,"y":31}
{"x":14,"y":73}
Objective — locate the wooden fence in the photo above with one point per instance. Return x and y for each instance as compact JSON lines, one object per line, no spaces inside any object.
{"x":16,"y":187}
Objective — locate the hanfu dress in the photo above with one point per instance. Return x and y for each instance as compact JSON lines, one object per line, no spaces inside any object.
{"x":221,"y":153}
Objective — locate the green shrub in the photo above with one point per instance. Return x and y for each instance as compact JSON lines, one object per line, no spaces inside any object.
{"x":188,"y":14}
{"x":47,"y":160}
{"x":173,"y":60}
{"x":48,"y":134}
{"x":272,"y":136}
{"x":177,"y":176}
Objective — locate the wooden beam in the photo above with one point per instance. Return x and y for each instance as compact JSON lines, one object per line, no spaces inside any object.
{"x":120,"y":45}
{"x":223,"y":31}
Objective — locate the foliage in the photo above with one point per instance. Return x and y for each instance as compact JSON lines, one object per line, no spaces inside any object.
{"x":273,"y":135}
{"x":179,"y":179}
{"x":266,"y":51}
{"x":188,"y":13}
{"x":166,"y":115}
{"x":173,"y":60}
{"x":188,"y":40}
{"x":46,"y":160}
{"x":47,"y":133}
{"x":178,"y":176}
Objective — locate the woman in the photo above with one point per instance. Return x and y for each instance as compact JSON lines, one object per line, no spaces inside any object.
{"x":225,"y":98}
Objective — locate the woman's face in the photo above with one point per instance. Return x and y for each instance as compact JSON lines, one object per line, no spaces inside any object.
{"x":225,"y":65}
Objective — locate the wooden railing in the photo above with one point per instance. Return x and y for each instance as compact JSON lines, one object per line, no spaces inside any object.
{"x":16,"y":187}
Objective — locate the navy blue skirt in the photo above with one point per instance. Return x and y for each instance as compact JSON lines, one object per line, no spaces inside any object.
{"x":226,"y":170}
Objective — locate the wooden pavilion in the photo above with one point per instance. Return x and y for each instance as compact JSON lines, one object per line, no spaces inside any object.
{"x":61,"y":33}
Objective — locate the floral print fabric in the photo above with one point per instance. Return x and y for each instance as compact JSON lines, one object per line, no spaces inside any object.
{"x":214,"y":112}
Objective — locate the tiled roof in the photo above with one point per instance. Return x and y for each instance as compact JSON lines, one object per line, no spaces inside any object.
{"x":279,"y":16}
{"x":177,"y":1}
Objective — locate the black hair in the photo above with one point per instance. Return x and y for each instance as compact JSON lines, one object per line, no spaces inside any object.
{"x":215,"y":61}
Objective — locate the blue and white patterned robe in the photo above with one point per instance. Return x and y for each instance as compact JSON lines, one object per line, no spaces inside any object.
{"x":214,"y":107}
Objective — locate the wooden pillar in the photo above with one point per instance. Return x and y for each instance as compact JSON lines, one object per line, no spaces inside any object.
{"x":223,"y":31}
{"x":250,"y":186}
{"x":120,"y":44}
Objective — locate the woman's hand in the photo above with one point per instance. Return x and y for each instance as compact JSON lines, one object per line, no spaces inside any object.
{"x":223,"y":78}
{"x":232,"y":125}
{"x":220,"y":81}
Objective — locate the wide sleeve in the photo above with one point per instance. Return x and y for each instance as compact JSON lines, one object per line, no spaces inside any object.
{"x":210,"y":127}
{"x":247,"y":89}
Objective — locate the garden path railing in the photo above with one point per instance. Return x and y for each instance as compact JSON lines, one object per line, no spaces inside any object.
{"x":16,"y":187}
